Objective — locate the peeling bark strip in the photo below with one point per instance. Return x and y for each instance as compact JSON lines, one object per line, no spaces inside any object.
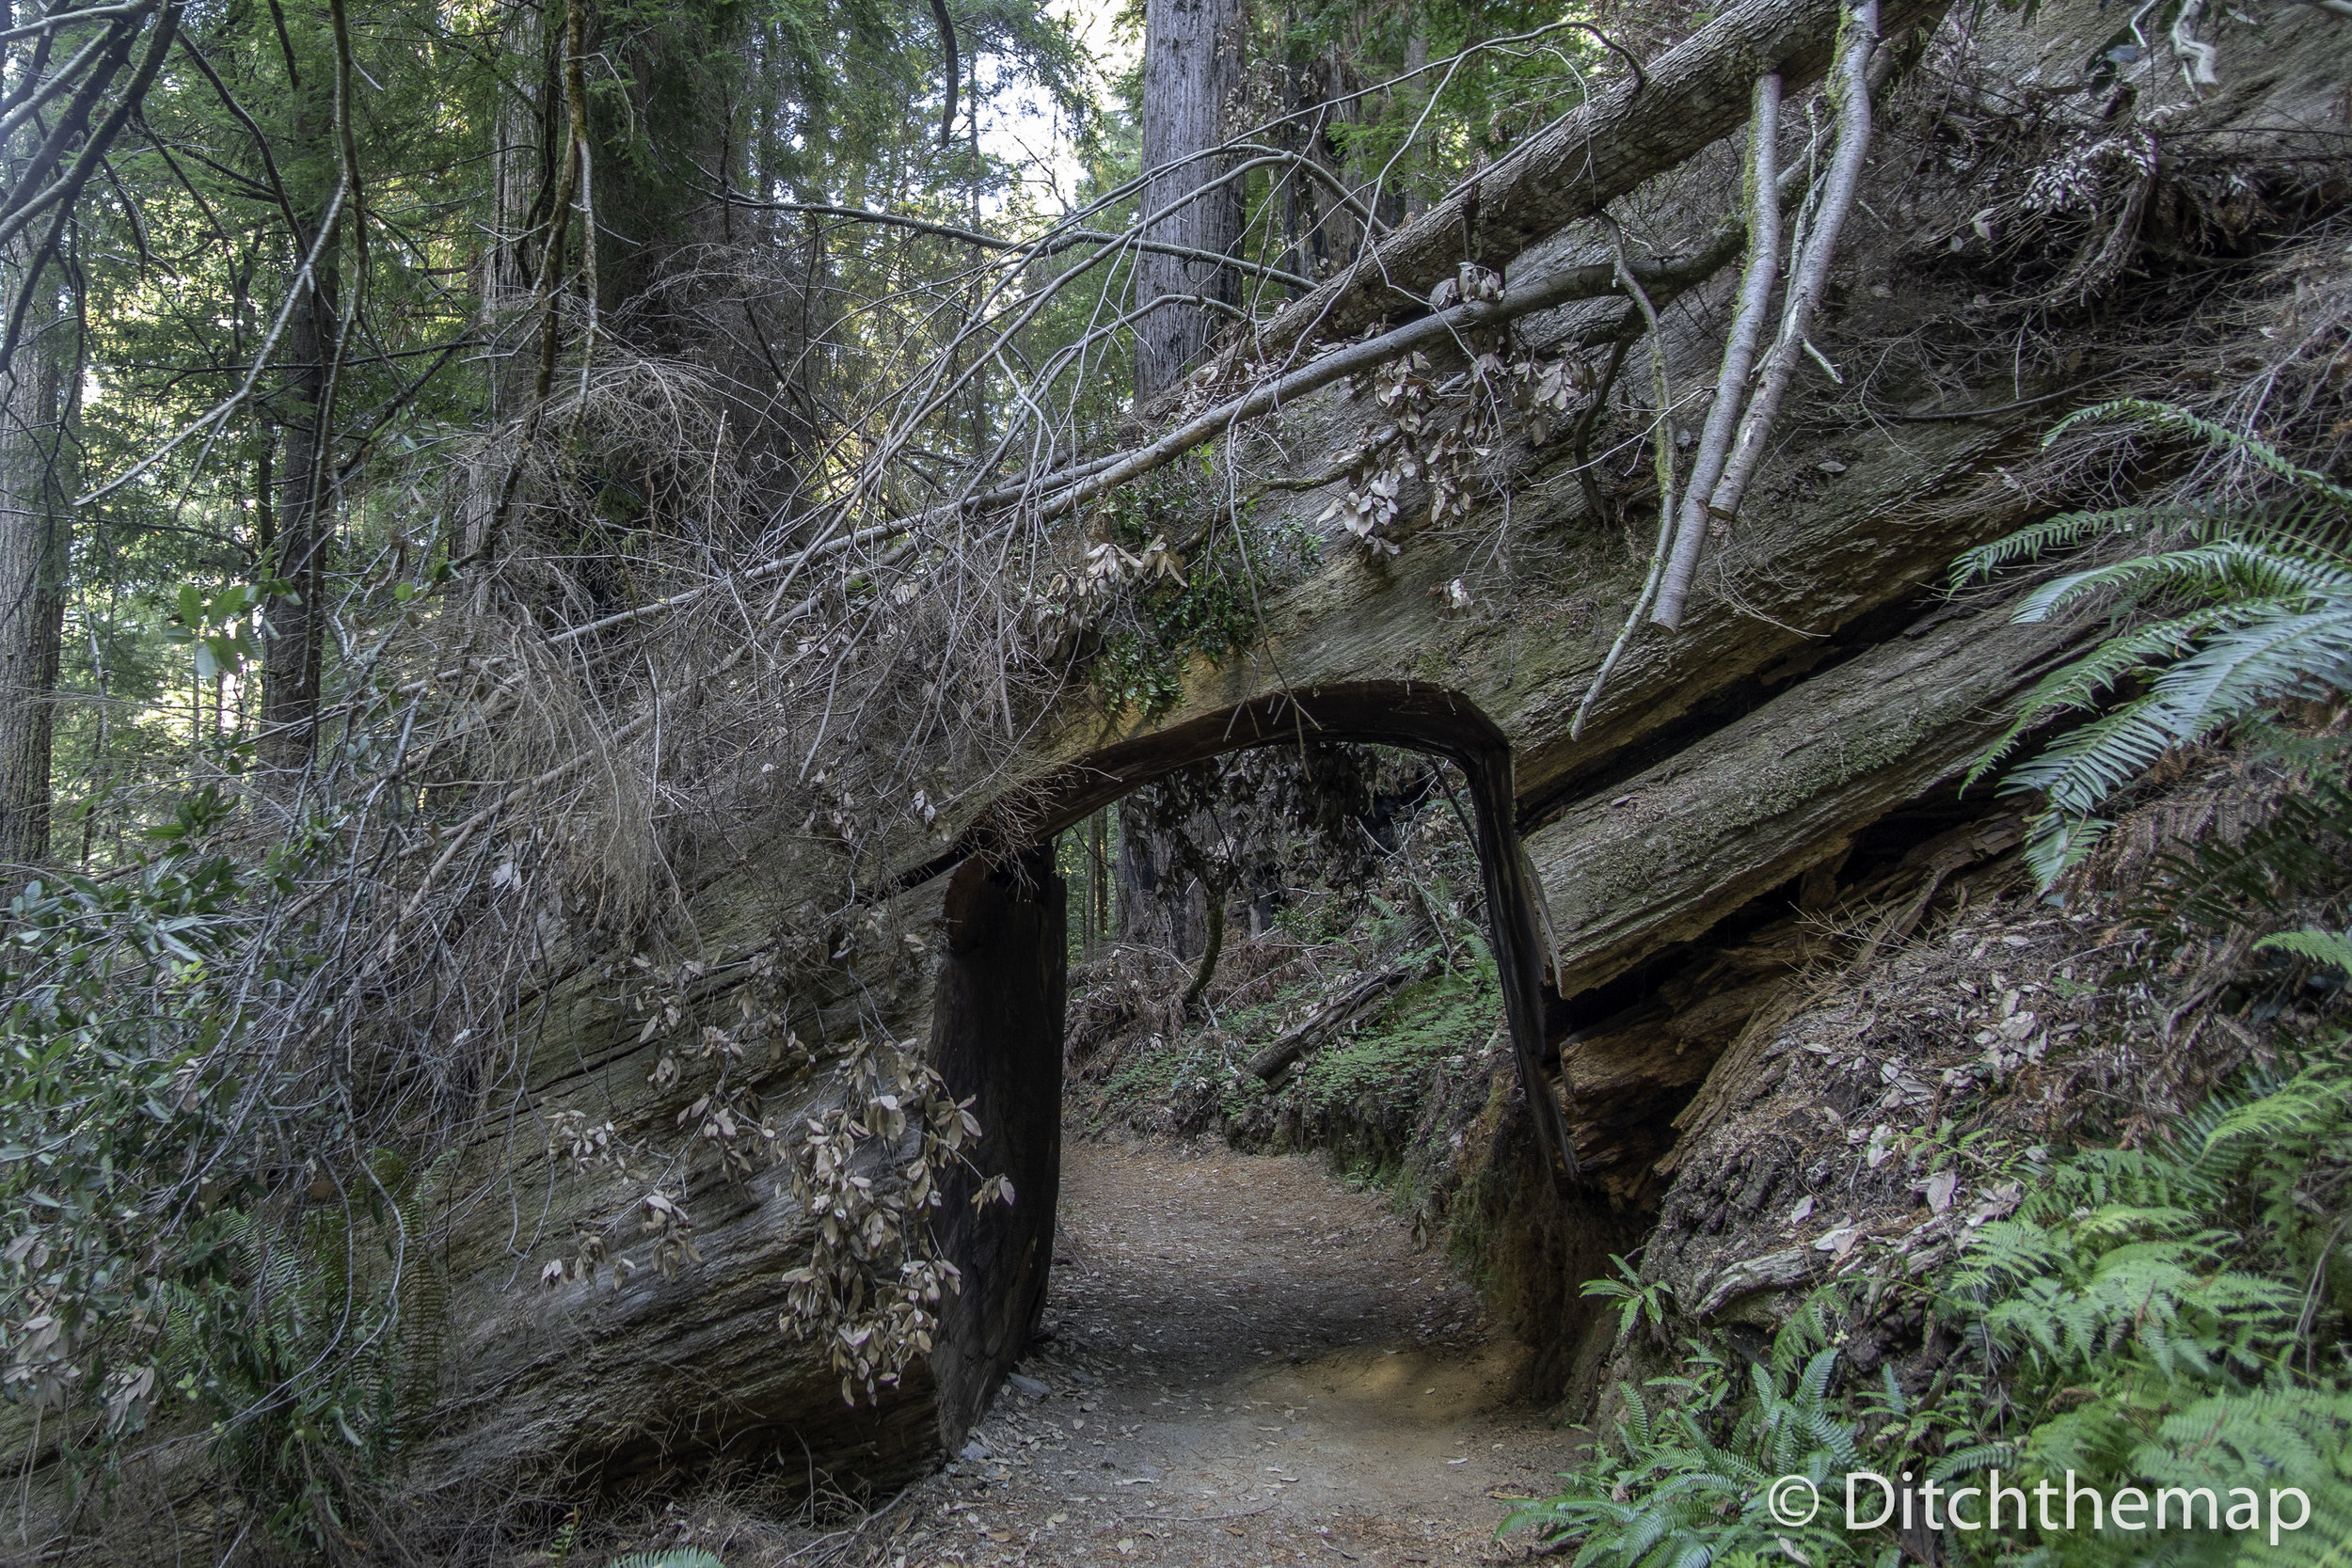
{"x":1694,"y":95}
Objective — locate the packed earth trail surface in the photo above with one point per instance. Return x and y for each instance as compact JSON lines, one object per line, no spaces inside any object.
{"x":1245,"y":1362}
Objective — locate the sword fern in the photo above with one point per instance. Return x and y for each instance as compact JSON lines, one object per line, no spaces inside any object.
{"x":2252,"y":608}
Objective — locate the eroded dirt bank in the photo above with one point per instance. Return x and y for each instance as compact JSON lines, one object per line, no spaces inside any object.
{"x":1245,"y":1363}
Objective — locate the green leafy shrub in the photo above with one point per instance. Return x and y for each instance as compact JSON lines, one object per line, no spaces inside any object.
{"x":170,"y":1242}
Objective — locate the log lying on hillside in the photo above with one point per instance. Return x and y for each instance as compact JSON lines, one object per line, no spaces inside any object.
{"x":1755,"y":804}
{"x":1754,"y":807}
{"x":1334,"y":1014}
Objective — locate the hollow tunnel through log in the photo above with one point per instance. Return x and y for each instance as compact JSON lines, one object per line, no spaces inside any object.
{"x":998,"y":1012}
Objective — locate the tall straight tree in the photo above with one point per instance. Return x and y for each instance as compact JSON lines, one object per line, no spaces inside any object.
{"x":35,"y":509}
{"x":34,"y":495}
{"x":294,"y":653}
{"x":1191,"y":64}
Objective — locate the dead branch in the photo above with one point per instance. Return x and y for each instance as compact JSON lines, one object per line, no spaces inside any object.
{"x":1334,"y":1014}
{"x":1731,"y":385}
{"x":1696,"y":93}
{"x":1809,"y":279}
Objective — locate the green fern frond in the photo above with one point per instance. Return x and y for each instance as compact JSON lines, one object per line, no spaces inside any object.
{"x":2096,"y":1179}
{"x":2261,"y":612}
{"x":2232,"y":568}
{"x":2316,"y":1103}
{"x":2243,"y":668}
{"x":2332,"y":949}
{"x":2066,"y":531}
{"x":2081,"y":686}
{"x":2239,"y":670}
{"x":2056,"y":845}
{"x":2083,"y":768}
{"x":1634,"y":1429}
{"x":2180,"y":421}
{"x":2303,"y":524}
{"x":673,"y":1557}
{"x":1974,"y":1460}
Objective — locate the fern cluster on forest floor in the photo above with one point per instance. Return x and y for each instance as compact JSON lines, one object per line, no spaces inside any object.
{"x":2146,"y":1318}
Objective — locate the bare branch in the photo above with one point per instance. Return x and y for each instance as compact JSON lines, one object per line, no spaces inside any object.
{"x":1748,"y":325}
{"x":1810,"y":278}
{"x":1695,"y":94}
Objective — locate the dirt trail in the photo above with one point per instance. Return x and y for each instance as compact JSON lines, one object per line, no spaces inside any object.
{"x":1247,"y":1363}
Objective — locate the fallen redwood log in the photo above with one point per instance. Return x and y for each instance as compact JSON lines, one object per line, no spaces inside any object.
{"x":1335,"y":1014}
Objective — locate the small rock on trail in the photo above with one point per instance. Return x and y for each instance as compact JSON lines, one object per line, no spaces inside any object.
{"x":1245,"y":1363}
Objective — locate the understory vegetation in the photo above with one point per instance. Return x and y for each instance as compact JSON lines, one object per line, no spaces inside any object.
{"x":2167,"y":1322}
{"x":2133,"y":1308}
{"x":571,"y":571}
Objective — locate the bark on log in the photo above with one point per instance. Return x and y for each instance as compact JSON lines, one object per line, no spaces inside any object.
{"x":1759,"y":802}
{"x":1681,"y":847}
{"x":1694,"y":95}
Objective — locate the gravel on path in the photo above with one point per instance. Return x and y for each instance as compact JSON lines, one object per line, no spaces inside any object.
{"x":1245,"y":1363}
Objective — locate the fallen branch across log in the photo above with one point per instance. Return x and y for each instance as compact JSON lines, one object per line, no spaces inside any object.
{"x":1056,"y":492}
{"x":1326,"y":1020}
{"x":1691,"y":96}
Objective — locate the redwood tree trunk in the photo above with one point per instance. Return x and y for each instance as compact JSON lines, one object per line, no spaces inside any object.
{"x":34,"y":518}
{"x":1191,"y":62}
{"x":1159,"y":903}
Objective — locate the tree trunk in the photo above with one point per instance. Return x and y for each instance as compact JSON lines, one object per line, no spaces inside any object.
{"x":1156,"y":896}
{"x":296,"y":647}
{"x":522,"y":173}
{"x":1212,"y":947}
{"x":34,"y":520}
{"x":1191,"y":61}
{"x":1413,"y":198}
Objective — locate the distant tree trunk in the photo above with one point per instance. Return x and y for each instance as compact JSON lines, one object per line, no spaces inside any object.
{"x":1213,"y":945}
{"x":34,"y":513}
{"x":1159,"y":903}
{"x":1415,"y":195}
{"x":1320,"y":231}
{"x":522,"y":176}
{"x":1191,"y":62}
{"x":294,"y":650}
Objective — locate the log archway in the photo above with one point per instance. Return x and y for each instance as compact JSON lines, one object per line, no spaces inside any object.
{"x":998,"y":1012}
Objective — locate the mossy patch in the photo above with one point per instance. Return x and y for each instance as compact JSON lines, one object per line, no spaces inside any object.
{"x":1425,"y":1023}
